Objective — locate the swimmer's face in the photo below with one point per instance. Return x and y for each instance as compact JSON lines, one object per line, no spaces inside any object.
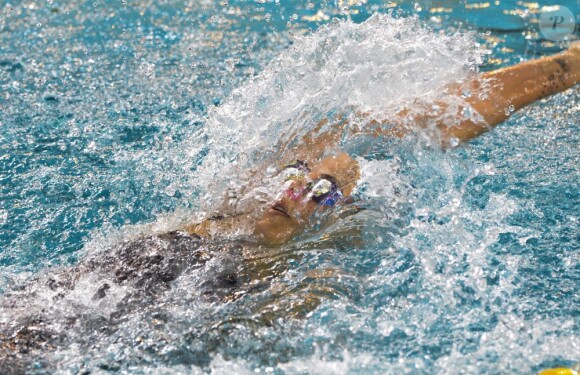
{"x":305,"y":194}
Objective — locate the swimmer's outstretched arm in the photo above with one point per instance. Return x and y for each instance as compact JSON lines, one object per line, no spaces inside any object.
{"x":512,"y":88}
{"x":494,"y":95}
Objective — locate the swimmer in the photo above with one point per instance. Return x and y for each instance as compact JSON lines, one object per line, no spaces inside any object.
{"x":313,"y":183}
{"x":134,"y":276}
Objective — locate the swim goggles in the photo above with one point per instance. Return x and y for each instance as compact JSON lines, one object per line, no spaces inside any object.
{"x":323,"y":191}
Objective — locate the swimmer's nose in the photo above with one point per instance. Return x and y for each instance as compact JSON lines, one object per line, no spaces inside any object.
{"x":297,"y":190}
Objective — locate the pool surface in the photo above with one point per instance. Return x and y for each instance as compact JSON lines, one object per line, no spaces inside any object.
{"x":121,"y":119}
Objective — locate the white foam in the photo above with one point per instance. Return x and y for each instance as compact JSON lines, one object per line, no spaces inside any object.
{"x":381,"y":66}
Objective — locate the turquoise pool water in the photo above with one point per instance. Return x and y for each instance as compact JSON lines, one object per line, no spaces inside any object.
{"x":109,"y":111}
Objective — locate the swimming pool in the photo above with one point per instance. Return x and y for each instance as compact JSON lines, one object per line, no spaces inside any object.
{"x":108,"y":110}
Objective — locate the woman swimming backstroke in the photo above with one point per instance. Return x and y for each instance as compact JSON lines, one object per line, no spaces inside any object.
{"x":315,"y":182}
{"x":312,"y":180}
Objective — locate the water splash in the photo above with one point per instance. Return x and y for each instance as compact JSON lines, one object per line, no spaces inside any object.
{"x":382,"y":66}
{"x":437,"y":274}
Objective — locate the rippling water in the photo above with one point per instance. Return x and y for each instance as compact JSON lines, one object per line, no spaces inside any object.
{"x":116,"y":116}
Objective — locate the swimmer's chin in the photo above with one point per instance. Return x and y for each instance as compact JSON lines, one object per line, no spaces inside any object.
{"x":275,"y":230}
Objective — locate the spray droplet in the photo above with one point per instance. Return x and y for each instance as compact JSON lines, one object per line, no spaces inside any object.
{"x":467,"y":112}
{"x":230,"y":64}
{"x":454,"y":142}
{"x":509,"y":110}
